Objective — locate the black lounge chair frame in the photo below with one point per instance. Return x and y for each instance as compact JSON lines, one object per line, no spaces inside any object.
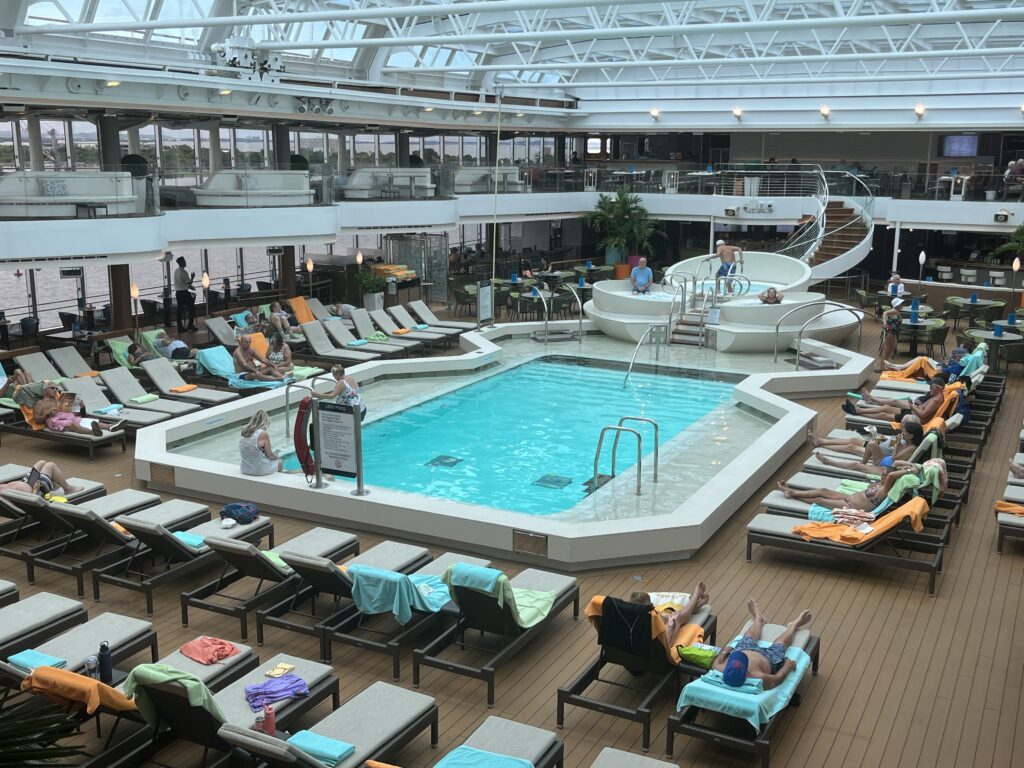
{"x":66,"y":438}
{"x":686,"y":722}
{"x":661,"y":675}
{"x":480,"y":612}
{"x":939,"y":526}
{"x":155,"y":562}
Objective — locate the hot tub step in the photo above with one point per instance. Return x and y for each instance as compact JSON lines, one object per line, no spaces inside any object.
{"x":809,"y":360}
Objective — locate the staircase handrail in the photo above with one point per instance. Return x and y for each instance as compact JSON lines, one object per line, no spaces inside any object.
{"x":864,"y":213}
{"x":823,"y":303}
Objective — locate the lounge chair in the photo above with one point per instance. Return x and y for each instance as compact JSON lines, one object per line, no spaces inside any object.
{"x":8,"y":593}
{"x":656,"y":663}
{"x":365,"y":329}
{"x":387,"y":325}
{"x":320,"y":311}
{"x":70,"y":362}
{"x":90,"y":488}
{"x":126,"y":636}
{"x":242,"y":560}
{"x":164,"y":556}
{"x":342,"y":337}
{"x":99,"y":407}
{"x":404,"y":319}
{"x":1009,"y":525}
{"x":181,"y":720}
{"x":126,"y":389}
{"x":481,"y":611}
{"x":890,"y":529}
{"x":38,"y":366}
{"x":324,"y":350}
{"x":96,"y":542}
{"x":221,"y":332}
{"x":616,"y":758}
{"x":379,"y":721}
{"x":762,"y":711}
{"x":424,"y":313}
{"x":167,"y":379}
{"x":536,"y":746}
{"x":36,"y":618}
{"x":320,"y":576}
{"x":70,"y":439}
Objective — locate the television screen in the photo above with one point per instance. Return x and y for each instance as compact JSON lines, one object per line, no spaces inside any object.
{"x":959,"y":146}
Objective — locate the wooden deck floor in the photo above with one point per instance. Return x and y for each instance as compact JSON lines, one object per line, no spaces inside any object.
{"x":905,"y":679}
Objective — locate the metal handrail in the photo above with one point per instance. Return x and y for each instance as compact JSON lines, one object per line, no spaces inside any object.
{"x":732,"y":276}
{"x":539,"y":295}
{"x":639,"y":454}
{"x":860,"y":328}
{"x":636,"y":349}
{"x":579,"y":303}
{"x":645,"y":420}
{"x":824,"y":303}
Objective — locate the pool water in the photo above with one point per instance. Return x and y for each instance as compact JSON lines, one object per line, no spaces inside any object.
{"x":524,"y":439}
{"x":755,"y":288}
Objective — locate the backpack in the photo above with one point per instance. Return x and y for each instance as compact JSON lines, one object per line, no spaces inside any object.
{"x":242,"y":512}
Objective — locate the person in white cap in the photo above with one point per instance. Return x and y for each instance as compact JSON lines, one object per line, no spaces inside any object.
{"x":890,"y":331}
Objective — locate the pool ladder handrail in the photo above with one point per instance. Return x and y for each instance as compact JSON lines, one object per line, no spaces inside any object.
{"x":860,"y":328}
{"x":666,"y":332}
{"x":579,"y":303}
{"x":826,"y":302}
{"x":643,"y":420}
{"x":639,"y":455}
{"x":540,"y":296}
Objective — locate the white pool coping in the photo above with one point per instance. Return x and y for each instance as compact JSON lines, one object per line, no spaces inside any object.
{"x":570,"y":546}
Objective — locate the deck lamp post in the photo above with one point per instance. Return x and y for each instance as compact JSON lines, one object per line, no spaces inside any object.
{"x":134,"y":291}
{"x":921,"y":259}
{"x":1013,"y":289}
{"x":309,"y":271}
{"x":206,"y":291}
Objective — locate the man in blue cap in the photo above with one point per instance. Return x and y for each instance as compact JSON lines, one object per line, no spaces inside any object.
{"x":747,"y":659}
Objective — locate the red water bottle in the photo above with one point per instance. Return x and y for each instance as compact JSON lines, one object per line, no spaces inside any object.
{"x":269,"y":720}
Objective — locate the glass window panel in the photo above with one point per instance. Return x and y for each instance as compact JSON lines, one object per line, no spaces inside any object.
{"x":86,"y":145}
{"x":451,"y":149}
{"x":365,"y":150}
{"x":388,"y":151}
{"x":432,"y":150}
{"x":7,"y":145}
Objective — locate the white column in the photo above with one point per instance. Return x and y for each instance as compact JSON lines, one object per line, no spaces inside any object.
{"x":134,"y":143}
{"x":711,"y":236}
{"x":896,"y":247}
{"x":35,"y":144}
{"x":215,"y":158}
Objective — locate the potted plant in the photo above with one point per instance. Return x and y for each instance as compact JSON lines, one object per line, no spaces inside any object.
{"x":625,"y":228}
{"x":372,"y":287}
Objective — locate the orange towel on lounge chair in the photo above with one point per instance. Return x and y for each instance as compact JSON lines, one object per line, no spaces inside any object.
{"x":301,"y":310}
{"x":686,"y":635}
{"x":87,"y":375}
{"x":259,"y":343}
{"x":66,"y":687}
{"x":920,"y":368}
{"x":378,"y":764}
{"x":1009,"y":508}
{"x":183,"y":388}
{"x":26,"y":412}
{"x":914,"y":510}
{"x":400,"y":331}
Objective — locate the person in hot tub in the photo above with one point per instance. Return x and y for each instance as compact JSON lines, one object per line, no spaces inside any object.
{"x":641,"y":277}
{"x":770,"y":296}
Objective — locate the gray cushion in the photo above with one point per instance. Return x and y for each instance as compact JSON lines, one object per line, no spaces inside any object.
{"x":773,"y":524}
{"x":118,"y":503}
{"x":317,"y":541}
{"x":232,"y":701}
{"x":772,"y":631}
{"x":84,"y":640}
{"x":389,"y":556}
{"x":170,"y":513}
{"x":616,"y":758}
{"x":439,"y":565}
{"x":807,"y":480}
{"x":206,"y":672}
{"x":507,"y":737}
{"x":213,"y":528}
{"x":7,"y":587}
{"x":543,"y":581}
{"x":33,"y":612}
{"x":779,"y":500}
{"x":372,"y":718}
{"x":1014,"y":521}
{"x":1014,"y":493}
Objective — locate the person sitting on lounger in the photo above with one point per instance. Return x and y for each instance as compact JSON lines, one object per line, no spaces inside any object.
{"x":280,"y":321}
{"x":44,"y":478}
{"x":54,"y":409}
{"x":137,"y":354}
{"x":868,"y":499}
{"x":924,"y":407}
{"x":279,"y":353}
{"x":250,"y":364}
{"x":173,"y":349}
{"x":876,"y":450}
{"x":748,"y":659}
{"x":10,"y":383}
{"x":675,"y":619}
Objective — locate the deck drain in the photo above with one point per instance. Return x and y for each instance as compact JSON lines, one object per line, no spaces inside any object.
{"x":443,"y":461}
{"x":558,"y":482}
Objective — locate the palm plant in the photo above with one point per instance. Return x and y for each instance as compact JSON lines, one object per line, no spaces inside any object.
{"x":622,"y":223}
{"x":31,"y":734}
{"x":1014,"y":245}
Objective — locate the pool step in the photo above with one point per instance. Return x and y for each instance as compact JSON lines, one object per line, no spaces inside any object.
{"x":810,"y":360}
{"x":689,"y":329}
{"x":590,"y":486}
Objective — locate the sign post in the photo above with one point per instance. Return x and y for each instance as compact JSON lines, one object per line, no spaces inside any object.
{"x":484,"y":302}
{"x":339,"y":439}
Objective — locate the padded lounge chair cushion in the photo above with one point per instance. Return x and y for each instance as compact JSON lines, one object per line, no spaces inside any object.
{"x":119,"y":502}
{"x":6,"y":587}
{"x":206,"y":672}
{"x":1014,"y":521}
{"x":11,"y":472}
{"x":31,"y":613}
{"x":232,"y":701}
{"x":776,"y":525}
{"x":1014,"y":493}
{"x":616,"y":758}
{"x":318,"y":542}
{"x":778,"y":500}
{"x":507,"y":737}
{"x":390,"y":556}
{"x":543,"y":581}
{"x":84,"y":640}
{"x":771,"y":631}
{"x":170,"y":513}
{"x":438,"y":566}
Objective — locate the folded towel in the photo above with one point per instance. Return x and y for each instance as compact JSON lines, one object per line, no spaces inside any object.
{"x":330,"y":752}
{"x":377,"y":336}
{"x":29,"y":660}
{"x":188,"y":539}
{"x":278,"y":561}
{"x":401,"y":331}
{"x":468,"y":757}
{"x":356,"y":343}
{"x":183,"y":388}
{"x":421,"y":326}
{"x":750,"y":685}
{"x":87,"y":374}
{"x":1009,"y":508}
{"x":109,"y":408}
{"x":143,"y":399}
{"x":123,"y":531}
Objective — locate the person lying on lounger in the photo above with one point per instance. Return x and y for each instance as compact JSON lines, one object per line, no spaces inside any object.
{"x":1016,"y":470}
{"x":951,"y":368}
{"x":924,"y":407}
{"x":675,"y":619}
{"x":867,"y":499}
{"x":17,"y":379}
{"x":875,"y":450}
{"x":250,"y":364}
{"x":54,"y":409}
{"x":44,"y":477}
{"x":748,"y":659}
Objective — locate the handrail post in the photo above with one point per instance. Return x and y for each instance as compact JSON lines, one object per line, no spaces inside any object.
{"x":639,"y":454}
{"x":287,"y":393}
{"x":827,"y":302}
{"x":653,"y":423}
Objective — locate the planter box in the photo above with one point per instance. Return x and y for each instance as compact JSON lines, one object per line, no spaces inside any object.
{"x":372,"y":301}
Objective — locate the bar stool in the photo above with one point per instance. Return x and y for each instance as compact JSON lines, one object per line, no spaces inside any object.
{"x":997,"y":277}
{"x":968,"y":275}
{"x":945,"y":274}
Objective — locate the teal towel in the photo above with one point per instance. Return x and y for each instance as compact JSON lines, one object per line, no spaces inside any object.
{"x":189,"y":539}
{"x":357,"y":343}
{"x":109,"y":408}
{"x":750,"y":685}
{"x":330,"y":752}
{"x":475,"y":577}
{"x":217,"y":360}
{"x":421,"y":326}
{"x":468,"y":757}
{"x":882,"y":508}
{"x":239,"y":319}
{"x":819,"y":513}
{"x":331,"y":317}
{"x":375,"y":591}
{"x":29,"y":660}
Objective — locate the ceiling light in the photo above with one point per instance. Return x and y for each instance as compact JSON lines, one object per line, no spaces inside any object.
{"x":428,"y":109}
{"x":523,"y":114}
{"x":1022,"y":110}
{"x":224,"y":91}
{"x":655,"y":113}
{"x":737,"y":113}
{"x":477,"y":112}
{"x":919,"y":110}
{"x":113,"y":83}
{"x":826,"y":111}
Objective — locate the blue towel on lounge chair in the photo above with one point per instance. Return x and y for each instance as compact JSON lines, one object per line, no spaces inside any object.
{"x":375,"y":590}
{"x":756,"y":708}
{"x":356,"y":343}
{"x":29,"y":660}
{"x":468,"y":757}
{"x":819,"y":513}
{"x":330,"y":752}
{"x":420,"y":327}
{"x":239,"y":319}
{"x":189,"y":539}
{"x":475,"y":577}
{"x":973,"y":361}
{"x":217,"y":360}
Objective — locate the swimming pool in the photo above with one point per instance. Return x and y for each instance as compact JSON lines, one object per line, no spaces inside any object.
{"x":522,"y":439}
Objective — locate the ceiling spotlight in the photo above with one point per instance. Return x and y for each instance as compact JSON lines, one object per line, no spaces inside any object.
{"x":113,"y":83}
{"x":655,"y":113}
{"x":826,"y":111}
{"x":224,"y":91}
{"x":919,"y":110}
{"x":737,"y":113}
{"x":523,"y":114}
{"x":477,"y":112}
{"x":1022,"y":110}
{"x":428,"y":109}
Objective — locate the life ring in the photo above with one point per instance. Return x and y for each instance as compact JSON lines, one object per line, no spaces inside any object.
{"x":301,"y":437}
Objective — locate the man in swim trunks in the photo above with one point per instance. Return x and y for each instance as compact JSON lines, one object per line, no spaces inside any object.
{"x":951,"y":368}
{"x":250,"y":364}
{"x":53,"y":411}
{"x":641,"y":277}
{"x":748,"y":659}
{"x":924,"y":407}
{"x":49,"y":478}
{"x":728,"y":254}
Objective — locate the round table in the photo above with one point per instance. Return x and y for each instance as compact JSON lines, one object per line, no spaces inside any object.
{"x":920,"y":324}
{"x":979,"y":303}
{"x":923,"y":309}
{"x":1005,"y":324}
{"x":994,"y":342}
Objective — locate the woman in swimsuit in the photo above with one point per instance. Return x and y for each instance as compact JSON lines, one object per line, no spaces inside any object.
{"x":875,"y":454}
{"x":867,"y":499}
{"x":890,"y":331}
{"x":279,"y":353}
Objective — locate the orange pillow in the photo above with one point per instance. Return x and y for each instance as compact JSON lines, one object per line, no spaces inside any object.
{"x":87,"y":375}
{"x":183,"y":388}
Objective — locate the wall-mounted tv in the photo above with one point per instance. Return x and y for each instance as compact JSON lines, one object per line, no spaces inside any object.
{"x":959,"y":146}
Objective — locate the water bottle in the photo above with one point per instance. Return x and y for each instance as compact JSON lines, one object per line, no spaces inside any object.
{"x":106,"y":664}
{"x":269,"y":720}
{"x":91,"y":663}
{"x":257,"y":724}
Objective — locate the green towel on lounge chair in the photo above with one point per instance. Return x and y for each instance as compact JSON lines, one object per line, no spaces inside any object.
{"x":148,"y":341}
{"x":154,"y":674}
{"x":8,"y":402}
{"x":528,"y":606}
{"x":277,"y":560}
{"x":119,"y":351}
{"x":902,"y":486}
{"x":300,"y":372}
{"x":377,"y":336}
{"x":143,"y":399}
{"x":850,"y":487}
{"x":930,"y":476}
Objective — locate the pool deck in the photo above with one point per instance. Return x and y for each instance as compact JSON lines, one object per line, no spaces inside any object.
{"x":652,"y":526}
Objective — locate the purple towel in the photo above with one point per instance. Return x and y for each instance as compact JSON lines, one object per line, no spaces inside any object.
{"x":287,"y":686}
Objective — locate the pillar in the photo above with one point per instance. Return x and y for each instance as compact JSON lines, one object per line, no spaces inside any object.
{"x":402,"y":148}
{"x":281,"y":138}
{"x":896,"y":247}
{"x":711,"y":235}
{"x":286,"y":271}
{"x":492,"y":149}
{"x":110,"y":142}
{"x":215,"y":156}
{"x":120,"y":279}
{"x":134,"y":142}
{"x":35,"y":144}
{"x":579,"y":145}
{"x":560,"y":158}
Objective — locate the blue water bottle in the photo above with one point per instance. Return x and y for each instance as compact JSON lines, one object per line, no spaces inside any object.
{"x":106,"y":664}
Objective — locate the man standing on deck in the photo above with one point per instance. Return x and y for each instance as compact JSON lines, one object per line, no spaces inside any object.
{"x":184,"y":296}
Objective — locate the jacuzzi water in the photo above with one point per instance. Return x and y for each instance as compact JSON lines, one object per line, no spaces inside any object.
{"x":755,"y":288}
{"x":522,"y":439}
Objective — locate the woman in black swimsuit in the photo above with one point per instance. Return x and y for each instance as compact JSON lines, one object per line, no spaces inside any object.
{"x":867,"y":499}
